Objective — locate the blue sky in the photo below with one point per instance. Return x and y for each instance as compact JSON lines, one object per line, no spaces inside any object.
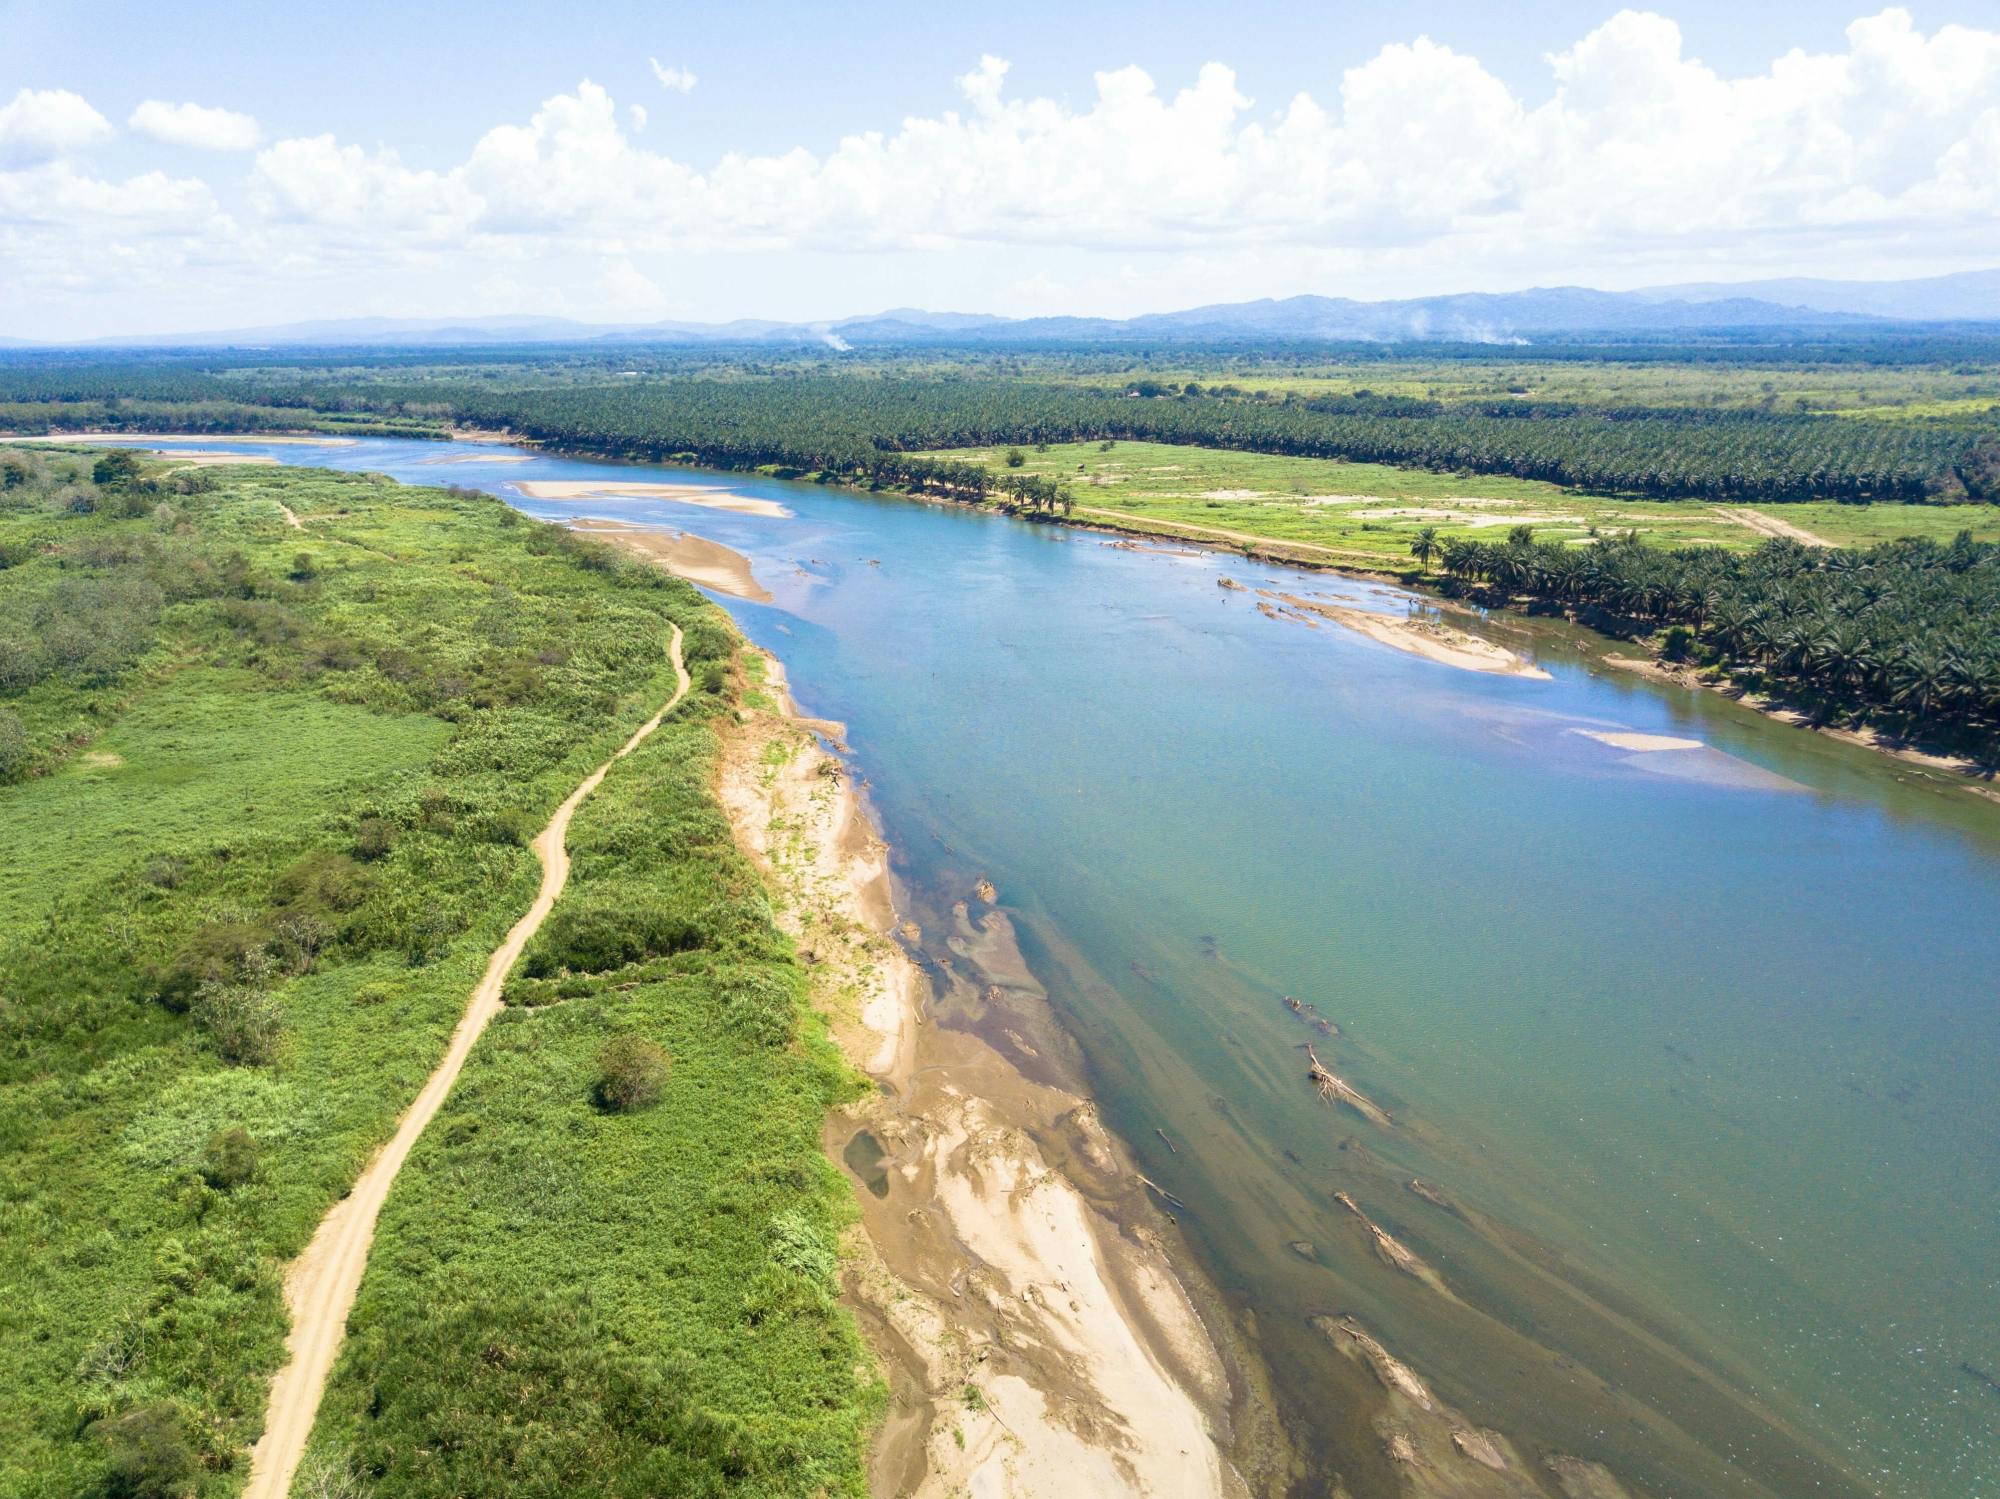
{"x":441,"y":159}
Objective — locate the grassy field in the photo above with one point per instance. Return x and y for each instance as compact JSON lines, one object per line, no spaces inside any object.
{"x":264,"y":799}
{"x":1369,"y":512}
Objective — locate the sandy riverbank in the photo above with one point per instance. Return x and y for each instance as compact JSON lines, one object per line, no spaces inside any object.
{"x":712,"y":496}
{"x":1038,"y":1338}
{"x":696,"y":558}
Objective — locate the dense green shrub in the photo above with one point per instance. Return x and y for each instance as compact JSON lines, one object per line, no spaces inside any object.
{"x":593,"y":932}
{"x":229,"y":1160}
{"x":15,"y":750}
{"x":243,"y":1021}
{"x":631,"y":1075}
{"x":148,"y":1456}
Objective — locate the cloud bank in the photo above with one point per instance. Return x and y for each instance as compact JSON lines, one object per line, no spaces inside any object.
{"x":1635,"y":149}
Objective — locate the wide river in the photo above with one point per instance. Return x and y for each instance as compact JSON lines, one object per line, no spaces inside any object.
{"x":1700,"y":1045}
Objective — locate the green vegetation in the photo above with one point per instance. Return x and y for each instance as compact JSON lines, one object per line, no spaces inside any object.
{"x":1658,"y":420}
{"x":270,"y":792}
{"x":1902,"y":635}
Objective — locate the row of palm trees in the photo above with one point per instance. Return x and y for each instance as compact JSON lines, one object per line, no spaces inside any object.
{"x":1906,"y":633}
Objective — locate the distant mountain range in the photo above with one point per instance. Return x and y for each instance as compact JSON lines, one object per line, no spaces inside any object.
{"x":1477,"y":317}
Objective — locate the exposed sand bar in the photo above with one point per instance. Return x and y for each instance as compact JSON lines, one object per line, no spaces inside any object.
{"x":455,"y":458}
{"x":296,"y":439}
{"x":1429,"y":638}
{"x":203,"y":458}
{"x":696,"y":558}
{"x":710,"y":495}
{"x":984,"y":1266}
{"x":1641,"y":743}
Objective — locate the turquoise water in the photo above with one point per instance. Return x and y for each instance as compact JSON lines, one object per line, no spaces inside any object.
{"x":1701,"y":1045}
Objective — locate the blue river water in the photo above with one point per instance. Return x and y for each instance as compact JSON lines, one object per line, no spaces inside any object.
{"x":1700,"y":1043}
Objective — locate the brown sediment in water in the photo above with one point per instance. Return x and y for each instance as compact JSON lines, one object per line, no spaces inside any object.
{"x":1008,"y":1247}
{"x":1392,"y":1251}
{"x":1439,"y":1453}
{"x":685,"y":555}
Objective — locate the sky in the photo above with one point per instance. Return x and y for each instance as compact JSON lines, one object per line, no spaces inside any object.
{"x":210,"y":166}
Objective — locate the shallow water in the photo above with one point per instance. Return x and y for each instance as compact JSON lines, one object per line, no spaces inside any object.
{"x":1701,"y":1044}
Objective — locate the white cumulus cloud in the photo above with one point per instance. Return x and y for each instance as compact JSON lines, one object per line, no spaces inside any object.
{"x":1635,"y":141}
{"x":1415,"y":169}
{"x":678,"y":79}
{"x":40,"y":125}
{"x":197,"y":126}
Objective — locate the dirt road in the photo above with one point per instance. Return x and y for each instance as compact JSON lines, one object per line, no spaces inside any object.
{"x":1770,"y":525}
{"x":322,"y":1282}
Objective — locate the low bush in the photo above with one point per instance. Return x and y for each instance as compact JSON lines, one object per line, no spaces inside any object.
{"x":631,"y":1075}
{"x":229,"y":1160}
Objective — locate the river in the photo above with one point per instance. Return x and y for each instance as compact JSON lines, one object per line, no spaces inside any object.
{"x":1699,"y":1046}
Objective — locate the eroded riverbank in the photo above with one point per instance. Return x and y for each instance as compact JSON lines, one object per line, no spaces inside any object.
{"x":1039,"y":1335}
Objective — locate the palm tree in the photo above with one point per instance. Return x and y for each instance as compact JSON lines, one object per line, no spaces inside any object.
{"x":1922,"y":679}
{"x":1426,"y":546}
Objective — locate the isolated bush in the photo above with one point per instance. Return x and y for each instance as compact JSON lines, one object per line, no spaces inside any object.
{"x":217,"y":952}
{"x":242,"y":1020}
{"x":15,"y":749}
{"x":322,"y":880}
{"x":149,"y":1456}
{"x":300,"y":936}
{"x":22,"y":664}
{"x":1016,"y":458}
{"x":164,"y":871}
{"x":631,"y":1075}
{"x":373,"y":837}
{"x":230,"y":1159}
{"x":714,"y":677}
{"x":1678,"y":643}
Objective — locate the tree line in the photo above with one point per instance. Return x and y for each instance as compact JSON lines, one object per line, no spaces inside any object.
{"x":1905,"y":634}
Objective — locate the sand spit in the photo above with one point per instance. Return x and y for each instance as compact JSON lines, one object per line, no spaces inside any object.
{"x":711,"y":496}
{"x":685,"y":555}
{"x":1645,"y":744}
{"x":1420,"y":636}
{"x":1038,"y":1339}
{"x":1442,"y":1455}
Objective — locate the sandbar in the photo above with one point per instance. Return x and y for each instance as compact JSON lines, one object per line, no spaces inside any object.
{"x":696,"y":558}
{"x":1643,"y":743}
{"x":1429,"y":638}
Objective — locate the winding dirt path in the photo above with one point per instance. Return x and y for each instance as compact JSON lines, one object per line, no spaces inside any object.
{"x":321,"y":1283}
{"x":291,"y":517}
